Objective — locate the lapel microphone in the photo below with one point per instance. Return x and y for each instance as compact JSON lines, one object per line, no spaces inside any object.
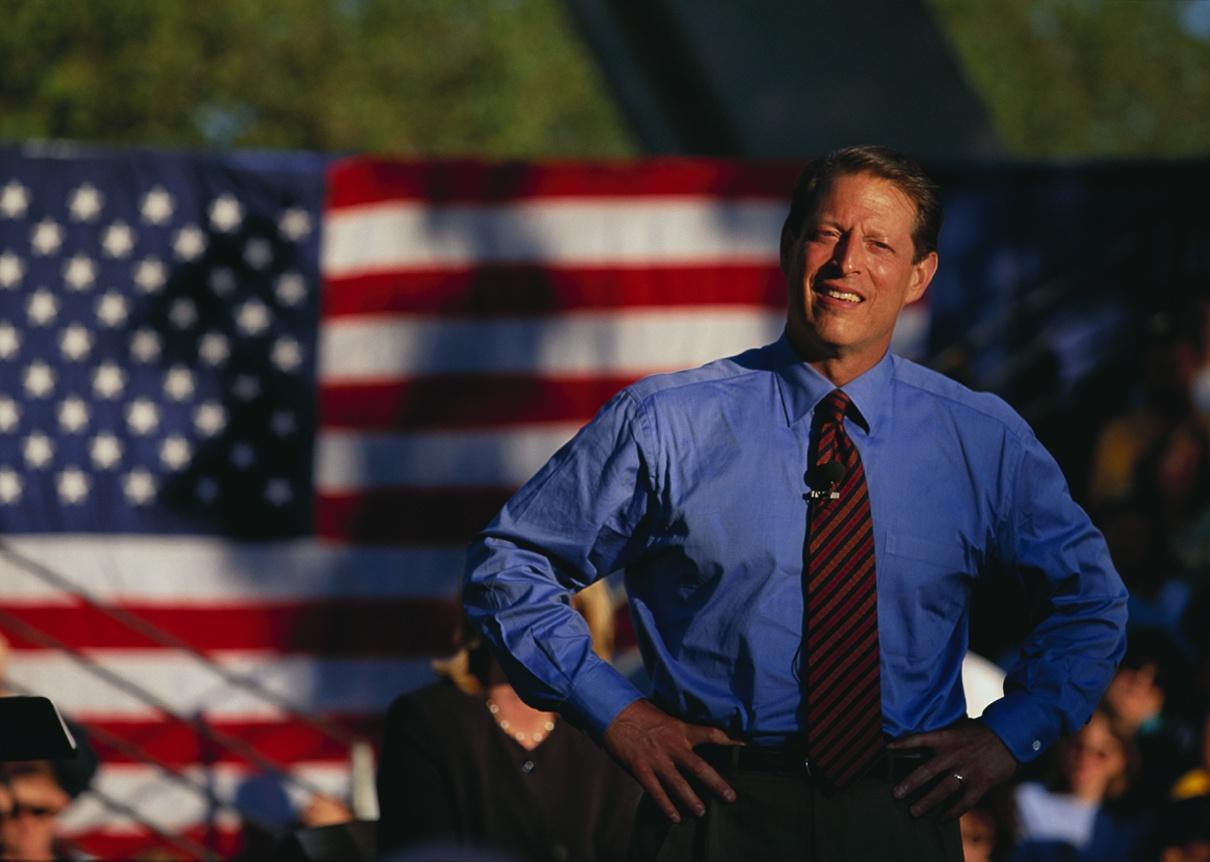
{"x":824,"y":479}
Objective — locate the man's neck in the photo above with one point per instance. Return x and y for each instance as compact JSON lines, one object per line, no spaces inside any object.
{"x":838,"y":367}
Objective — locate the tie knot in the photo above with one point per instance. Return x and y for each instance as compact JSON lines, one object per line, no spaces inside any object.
{"x":834,"y":406}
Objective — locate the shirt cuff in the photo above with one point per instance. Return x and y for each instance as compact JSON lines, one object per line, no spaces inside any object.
{"x":1023,"y":725}
{"x":599,"y":694}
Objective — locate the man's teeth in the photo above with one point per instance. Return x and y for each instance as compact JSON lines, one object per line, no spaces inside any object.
{"x":842,"y":294}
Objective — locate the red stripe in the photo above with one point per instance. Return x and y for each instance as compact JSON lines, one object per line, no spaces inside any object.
{"x":530,"y":291}
{"x":407,"y":516}
{"x":372,"y":626}
{"x":361,"y":181}
{"x":283,"y":742}
{"x":224,"y":842}
{"x":464,"y":401}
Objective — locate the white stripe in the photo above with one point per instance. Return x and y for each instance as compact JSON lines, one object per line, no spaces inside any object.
{"x":347,"y":462}
{"x":633,"y":342}
{"x":174,"y":806}
{"x":361,"y":684}
{"x":198,"y":571}
{"x":397,"y":235}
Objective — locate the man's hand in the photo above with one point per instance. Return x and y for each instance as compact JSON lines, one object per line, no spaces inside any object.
{"x":968,"y":749}
{"x":656,"y":748}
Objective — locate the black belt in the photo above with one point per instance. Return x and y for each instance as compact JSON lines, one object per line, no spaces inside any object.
{"x":892,"y":765}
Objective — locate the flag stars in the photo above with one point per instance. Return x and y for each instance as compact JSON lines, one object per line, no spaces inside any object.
{"x":14,"y":200}
{"x":39,"y":380}
{"x":85,"y":203}
{"x":209,"y":418}
{"x":252,"y":317}
{"x":79,"y":272}
{"x":138,"y":486}
{"x":258,"y":253}
{"x":73,"y":486}
{"x":189,"y":243}
{"x":245,"y":387}
{"x":221,"y":281}
{"x":175,"y":452}
{"x":226,"y":214}
{"x":157,"y":207}
{"x":10,"y":486}
{"x":207,"y":490}
{"x":118,"y":240}
{"x":287,"y":355}
{"x":108,"y":381}
{"x":105,"y":451}
{"x":182,"y":313}
{"x":214,"y":348}
{"x":290,"y":289}
{"x":46,"y":237}
{"x":10,"y":340}
{"x":38,"y":450}
{"x":12,"y":270}
{"x":42,"y":307}
{"x":112,"y":309}
{"x":243,"y":456}
{"x":10,"y":414}
{"x":278,"y":492}
{"x":142,"y":416}
{"x":150,"y":275}
{"x":73,"y":415}
{"x":75,"y":342}
{"x":145,"y":345}
{"x":295,"y":224}
{"x":178,"y":383}
{"x":283,"y":423}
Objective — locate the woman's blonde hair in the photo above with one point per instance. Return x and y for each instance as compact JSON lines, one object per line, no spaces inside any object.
{"x":467,"y":667}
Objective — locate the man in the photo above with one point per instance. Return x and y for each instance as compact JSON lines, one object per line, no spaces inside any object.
{"x":800,"y":527}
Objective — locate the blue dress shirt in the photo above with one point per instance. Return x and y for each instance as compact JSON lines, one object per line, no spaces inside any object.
{"x":694,"y":483}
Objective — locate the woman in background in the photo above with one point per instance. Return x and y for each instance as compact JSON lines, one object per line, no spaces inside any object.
{"x":466,"y":765}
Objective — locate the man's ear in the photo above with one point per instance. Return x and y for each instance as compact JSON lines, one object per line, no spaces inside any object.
{"x":923,"y":271}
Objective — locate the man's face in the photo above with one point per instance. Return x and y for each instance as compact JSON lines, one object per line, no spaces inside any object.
{"x":852,"y":270}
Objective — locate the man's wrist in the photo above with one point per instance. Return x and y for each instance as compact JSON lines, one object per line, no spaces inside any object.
{"x":598,"y":694}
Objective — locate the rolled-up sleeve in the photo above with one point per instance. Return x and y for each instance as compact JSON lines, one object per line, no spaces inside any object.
{"x":1068,"y":659}
{"x":581,"y":517}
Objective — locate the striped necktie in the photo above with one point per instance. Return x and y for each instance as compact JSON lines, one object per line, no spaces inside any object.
{"x":843,"y":691}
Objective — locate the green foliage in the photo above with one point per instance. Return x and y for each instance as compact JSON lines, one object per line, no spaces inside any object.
{"x":493,"y":78}
{"x":1079,"y":78}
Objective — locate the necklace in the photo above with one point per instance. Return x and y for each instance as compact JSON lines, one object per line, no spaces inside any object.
{"x":522,"y":737}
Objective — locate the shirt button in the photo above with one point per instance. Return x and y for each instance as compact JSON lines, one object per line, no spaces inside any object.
{"x":527,"y":767}
{"x":1037,"y":745}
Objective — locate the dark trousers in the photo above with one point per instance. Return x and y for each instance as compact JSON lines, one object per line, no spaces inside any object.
{"x":786,"y":816}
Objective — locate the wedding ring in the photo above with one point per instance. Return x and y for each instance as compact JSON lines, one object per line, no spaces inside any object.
{"x":961,"y":778}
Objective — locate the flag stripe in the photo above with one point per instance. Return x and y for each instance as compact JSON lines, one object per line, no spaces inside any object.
{"x":184,"y":570}
{"x":396,"y":627}
{"x":401,"y":516}
{"x":172,"y":806}
{"x":356,"y":182}
{"x":363,"y":684}
{"x":346,"y":462}
{"x":179,"y":744}
{"x":465,"y":401}
{"x":589,"y":232}
{"x":588,"y":344}
{"x":540,"y":290}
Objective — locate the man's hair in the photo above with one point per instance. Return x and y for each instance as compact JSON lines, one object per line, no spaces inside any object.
{"x":882,"y":162}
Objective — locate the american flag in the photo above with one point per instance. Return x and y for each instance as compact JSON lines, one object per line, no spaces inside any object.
{"x":281,"y":477}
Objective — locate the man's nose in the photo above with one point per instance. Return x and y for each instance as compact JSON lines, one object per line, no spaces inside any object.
{"x":845,"y":254}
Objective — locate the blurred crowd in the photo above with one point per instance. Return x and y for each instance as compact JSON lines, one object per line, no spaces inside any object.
{"x":1134,"y":783}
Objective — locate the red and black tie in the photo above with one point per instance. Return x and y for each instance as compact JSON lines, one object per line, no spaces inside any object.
{"x":843,"y":690}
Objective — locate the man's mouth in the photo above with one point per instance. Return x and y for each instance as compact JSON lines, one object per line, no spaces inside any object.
{"x":837,"y":293}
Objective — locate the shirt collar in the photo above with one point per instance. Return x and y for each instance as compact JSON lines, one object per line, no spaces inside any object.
{"x":802,"y":387}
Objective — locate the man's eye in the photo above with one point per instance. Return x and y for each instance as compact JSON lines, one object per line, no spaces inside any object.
{"x":826,"y":234}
